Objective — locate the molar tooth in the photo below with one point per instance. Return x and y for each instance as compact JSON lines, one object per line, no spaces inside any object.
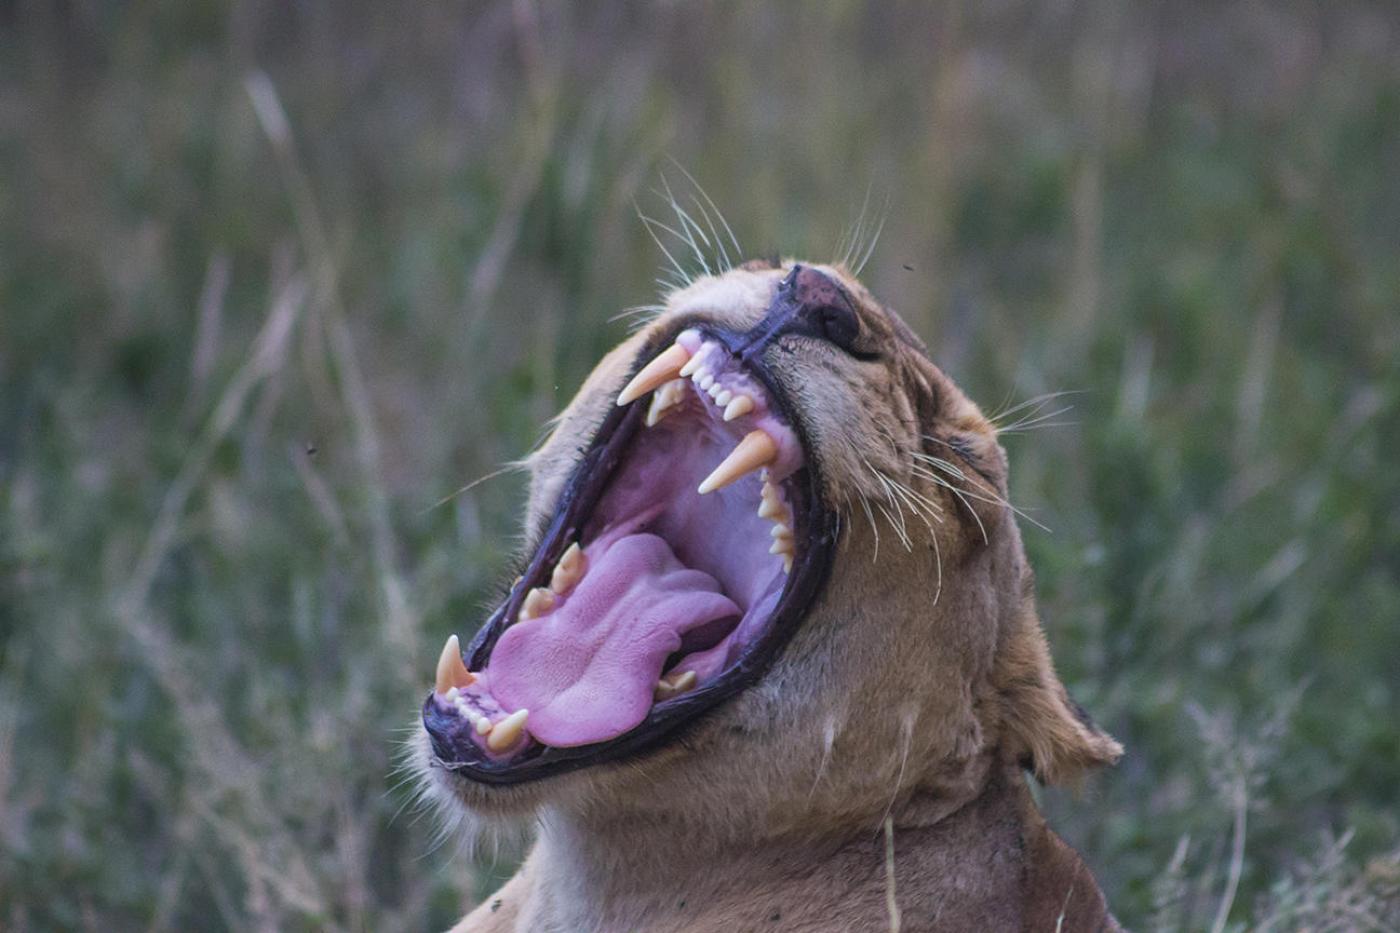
{"x":674,"y":683}
{"x":657,"y":410}
{"x":755,"y":450}
{"x":663,"y":368}
{"x":504,"y":733}
{"x":568,"y":571}
{"x":451,"y":672}
{"x":537,"y":603}
{"x":739,"y":406}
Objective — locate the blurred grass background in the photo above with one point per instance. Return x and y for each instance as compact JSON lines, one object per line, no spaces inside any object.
{"x":275,"y":278}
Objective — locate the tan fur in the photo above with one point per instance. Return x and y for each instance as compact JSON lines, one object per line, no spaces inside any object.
{"x":916,"y":690}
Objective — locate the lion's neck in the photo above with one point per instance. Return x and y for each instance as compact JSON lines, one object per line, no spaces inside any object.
{"x":594,"y":873}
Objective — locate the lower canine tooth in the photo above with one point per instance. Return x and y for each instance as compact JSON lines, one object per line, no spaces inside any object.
{"x":755,"y":450}
{"x":451,"y":672}
{"x":504,"y":733}
{"x":537,"y":603}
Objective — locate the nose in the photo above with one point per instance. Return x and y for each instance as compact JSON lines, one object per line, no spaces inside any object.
{"x":807,"y":302}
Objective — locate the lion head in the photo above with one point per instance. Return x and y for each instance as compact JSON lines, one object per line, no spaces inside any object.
{"x":772,"y":581}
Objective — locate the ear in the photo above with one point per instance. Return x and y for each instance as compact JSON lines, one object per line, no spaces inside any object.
{"x":1045,"y":730}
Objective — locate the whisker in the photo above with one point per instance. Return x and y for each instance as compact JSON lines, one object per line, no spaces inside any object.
{"x":874,"y":239}
{"x":738,"y":250}
{"x":650,"y":225}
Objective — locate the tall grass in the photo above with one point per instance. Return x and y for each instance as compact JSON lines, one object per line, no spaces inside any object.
{"x":277,"y":280}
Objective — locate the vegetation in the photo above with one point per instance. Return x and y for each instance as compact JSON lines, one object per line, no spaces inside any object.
{"x":277,"y":281}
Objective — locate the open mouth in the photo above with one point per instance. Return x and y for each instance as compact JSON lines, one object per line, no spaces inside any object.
{"x":686,"y":547}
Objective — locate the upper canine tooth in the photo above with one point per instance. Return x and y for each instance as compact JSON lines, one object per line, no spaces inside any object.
{"x":451,"y":672}
{"x":537,"y":603}
{"x":757,"y":449}
{"x":666,"y":366}
{"x":504,"y":733}
{"x":740,"y":405}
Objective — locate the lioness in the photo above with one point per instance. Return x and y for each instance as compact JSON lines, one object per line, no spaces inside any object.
{"x":773,"y":661}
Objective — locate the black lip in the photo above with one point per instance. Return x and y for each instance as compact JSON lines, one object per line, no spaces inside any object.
{"x":816,"y":527}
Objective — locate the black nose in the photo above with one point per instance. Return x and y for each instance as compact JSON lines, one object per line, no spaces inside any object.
{"x":807,"y":302}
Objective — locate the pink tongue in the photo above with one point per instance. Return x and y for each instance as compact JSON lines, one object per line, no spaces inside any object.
{"x":586,"y":670}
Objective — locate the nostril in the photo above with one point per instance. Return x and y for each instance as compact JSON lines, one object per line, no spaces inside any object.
{"x":837,"y":324}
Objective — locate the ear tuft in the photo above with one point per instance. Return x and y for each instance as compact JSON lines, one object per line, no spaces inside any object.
{"x":1044,"y":728}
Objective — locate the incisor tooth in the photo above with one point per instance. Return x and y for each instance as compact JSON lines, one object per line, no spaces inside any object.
{"x":451,"y":672}
{"x":705,"y":379}
{"x":741,"y":405}
{"x":537,"y":603}
{"x":787,"y":563}
{"x":771,"y":508}
{"x":757,"y":449}
{"x":504,"y":733}
{"x":781,"y":530}
{"x":715,"y":389}
{"x":724,"y":398}
{"x":483,"y":725}
{"x":666,"y":366}
{"x":693,"y":363}
{"x":781,"y":546}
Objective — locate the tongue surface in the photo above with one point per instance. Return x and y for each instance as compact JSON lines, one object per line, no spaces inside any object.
{"x":587,"y":669}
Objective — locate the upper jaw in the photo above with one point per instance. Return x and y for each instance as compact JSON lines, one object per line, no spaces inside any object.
{"x":813,"y":535}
